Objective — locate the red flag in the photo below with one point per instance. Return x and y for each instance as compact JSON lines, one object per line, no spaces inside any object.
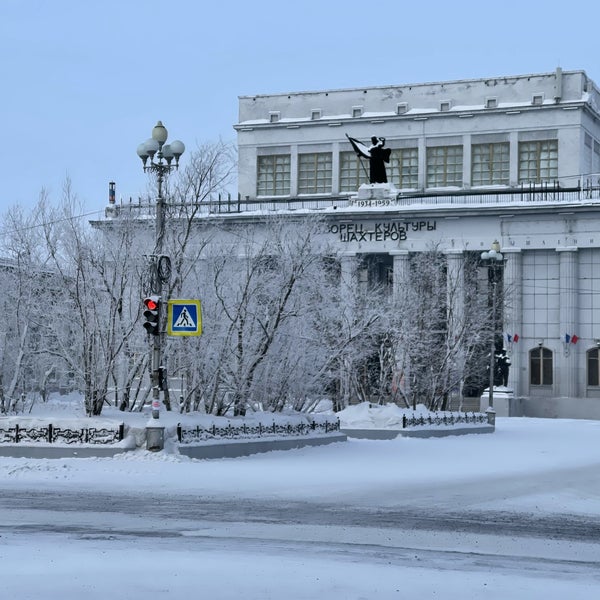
{"x":516,"y":337}
{"x":574,"y":339}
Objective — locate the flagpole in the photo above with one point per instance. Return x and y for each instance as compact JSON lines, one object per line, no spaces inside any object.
{"x":362,"y":164}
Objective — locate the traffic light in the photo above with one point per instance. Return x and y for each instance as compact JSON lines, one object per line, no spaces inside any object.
{"x":152,"y":315}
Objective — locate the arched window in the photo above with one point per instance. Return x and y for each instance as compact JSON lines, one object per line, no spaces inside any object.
{"x":593,"y":367}
{"x":540,"y":366}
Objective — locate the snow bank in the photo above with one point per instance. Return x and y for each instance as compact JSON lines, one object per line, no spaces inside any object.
{"x":385,"y":416}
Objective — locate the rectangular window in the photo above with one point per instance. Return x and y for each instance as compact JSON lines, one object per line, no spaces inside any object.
{"x":444,"y":166}
{"x":403,"y":169}
{"x":314,"y":173}
{"x":538,"y":161}
{"x":490,"y":164}
{"x":273,"y":175}
{"x":353,"y":172}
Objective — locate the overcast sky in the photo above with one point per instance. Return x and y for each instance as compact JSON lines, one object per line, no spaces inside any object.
{"x":83,"y":83}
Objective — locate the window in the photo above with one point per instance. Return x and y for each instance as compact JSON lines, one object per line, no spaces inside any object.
{"x":401,"y":108}
{"x":490,"y":164}
{"x":314,"y":173}
{"x":404,"y":168}
{"x":274,"y":116}
{"x":537,"y":99}
{"x":444,"y":166}
{"x":273,"y":175}
{"x":315,"y":114}
{"x":491,"y":102}
{"x":538,"y":161}
{"x":593,"y":367}
{"x":540,"y":366}
{"x":357,"y":111}
{"x":352,"y":172}
{"x":445,"y":105}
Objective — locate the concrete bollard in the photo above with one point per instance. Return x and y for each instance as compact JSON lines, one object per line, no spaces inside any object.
{"x":491,"y":416}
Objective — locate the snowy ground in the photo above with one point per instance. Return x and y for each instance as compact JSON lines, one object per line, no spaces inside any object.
{"x":514,"y":514}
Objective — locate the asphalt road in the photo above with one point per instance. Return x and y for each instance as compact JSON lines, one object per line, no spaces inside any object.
{"x":166,"y":509}
{"x":565,"y":546}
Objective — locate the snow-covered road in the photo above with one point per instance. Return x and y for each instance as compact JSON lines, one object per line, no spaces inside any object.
{"x":514,"y":514}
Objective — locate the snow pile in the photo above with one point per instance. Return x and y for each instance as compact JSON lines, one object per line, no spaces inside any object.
{"x":390,"y":416}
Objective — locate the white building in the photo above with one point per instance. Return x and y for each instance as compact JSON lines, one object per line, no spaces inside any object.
{"x":513,"y":159}
{"x":504,"y":131}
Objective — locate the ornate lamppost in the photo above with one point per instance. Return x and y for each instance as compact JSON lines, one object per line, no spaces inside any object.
{"x":494,"y":260}
{"x":160,"y":159}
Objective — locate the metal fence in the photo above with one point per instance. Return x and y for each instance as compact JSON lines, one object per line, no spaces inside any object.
{"x":192,"y":435}
{"x":547,"y":193}
{"x":61,"y":435}
{"x":445,"y":419}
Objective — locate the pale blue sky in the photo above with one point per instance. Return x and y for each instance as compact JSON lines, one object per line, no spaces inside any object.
{"x":83,"y":82}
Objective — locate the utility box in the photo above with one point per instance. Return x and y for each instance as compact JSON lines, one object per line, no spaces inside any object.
{"x":155,"y":438}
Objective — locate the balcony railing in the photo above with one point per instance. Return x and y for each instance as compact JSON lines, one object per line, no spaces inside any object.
{"x":524,"y":195}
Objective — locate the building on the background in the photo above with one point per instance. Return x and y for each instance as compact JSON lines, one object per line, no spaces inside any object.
{"x":469,"y":134}
{"x":513,"y":159}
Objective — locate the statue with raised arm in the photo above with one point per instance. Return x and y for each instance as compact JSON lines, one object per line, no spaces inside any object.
{"x":377,"y":155}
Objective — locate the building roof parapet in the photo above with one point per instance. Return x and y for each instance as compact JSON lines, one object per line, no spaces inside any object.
{"x":459,"y":98}
{"x":519,"y":198}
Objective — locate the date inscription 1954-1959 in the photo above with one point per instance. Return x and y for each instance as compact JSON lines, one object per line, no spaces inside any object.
{"x":379,"y":231}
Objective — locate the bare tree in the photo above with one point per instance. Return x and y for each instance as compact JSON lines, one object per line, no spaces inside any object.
{"x":437,"y":326}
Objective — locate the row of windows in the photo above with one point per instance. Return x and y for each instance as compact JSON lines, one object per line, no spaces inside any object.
{"x":490,"y":165}
{"x":541,"y":367}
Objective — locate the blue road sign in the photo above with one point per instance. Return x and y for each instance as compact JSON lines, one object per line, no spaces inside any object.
{"x":184,"y":317}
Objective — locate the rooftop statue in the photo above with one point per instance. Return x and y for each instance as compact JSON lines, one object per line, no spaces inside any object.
{"x":377,"y":154}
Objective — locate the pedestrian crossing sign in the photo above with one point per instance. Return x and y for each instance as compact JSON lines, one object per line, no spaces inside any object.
{"x":184,"y":317}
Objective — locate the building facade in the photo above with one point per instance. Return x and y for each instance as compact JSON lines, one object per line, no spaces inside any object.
{"x":507,"y":159}
{"x":470,"y":134}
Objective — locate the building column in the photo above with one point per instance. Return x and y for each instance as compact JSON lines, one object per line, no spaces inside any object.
{"x":422,"y":163}
{"x":512,"y":324}
{"x":565,"y":370}
{"x":513,"y":174}
{"x":467,"y":183}
{"x":294,"y":170}
{"x":455,"y":289}
{"x":335,"y":168}
{"x":348,"y":279}
{"x":455,"y":307}
{"x":401,"y":274}
{"x":348,"y":283}
{"x":401,"y":271}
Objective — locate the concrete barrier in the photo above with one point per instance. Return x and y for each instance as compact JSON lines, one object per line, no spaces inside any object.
{"x":390,"y":434}
{"x":236,"y":448}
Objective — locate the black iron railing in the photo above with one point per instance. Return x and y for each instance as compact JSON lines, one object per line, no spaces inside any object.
{"x":444,"y":419}
{"x":51,"y":434}
{"x":191,"y":435}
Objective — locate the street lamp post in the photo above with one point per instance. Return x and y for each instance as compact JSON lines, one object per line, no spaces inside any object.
{"x":493,"y":258}
{"x":159,"y":158}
